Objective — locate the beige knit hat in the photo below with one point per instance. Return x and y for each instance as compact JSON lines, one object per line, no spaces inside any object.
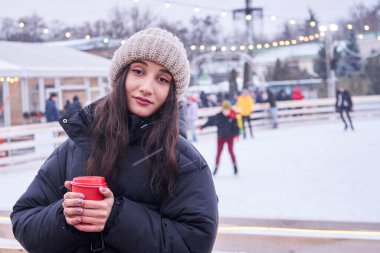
{"x":157,"y":45}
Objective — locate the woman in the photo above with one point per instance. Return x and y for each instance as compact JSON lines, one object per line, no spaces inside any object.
{"x":161,"y":196}
{"x":227,"y":131}
{"x":343,"y":105}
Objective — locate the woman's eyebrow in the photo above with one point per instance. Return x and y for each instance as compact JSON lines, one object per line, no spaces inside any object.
{"x":165,"y":71}
{"x":140,"y":61}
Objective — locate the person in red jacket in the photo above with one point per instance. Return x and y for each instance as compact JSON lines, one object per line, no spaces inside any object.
{"x":297,"y":93}
{"x":227,"y":131}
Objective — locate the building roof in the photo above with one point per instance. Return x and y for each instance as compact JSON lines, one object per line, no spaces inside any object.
{"x":269,"y":56}
{"x":19,"y":59}
{"x":87,"y":44}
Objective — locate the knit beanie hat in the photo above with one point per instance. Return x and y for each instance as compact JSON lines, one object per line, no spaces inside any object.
{"x":156,"y":45}
{"x":226,"y":105}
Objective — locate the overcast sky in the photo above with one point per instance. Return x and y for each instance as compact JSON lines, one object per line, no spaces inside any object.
{"x":76,"y":11}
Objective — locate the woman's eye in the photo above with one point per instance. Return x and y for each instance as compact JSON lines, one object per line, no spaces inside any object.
{"x":163,"y":80}
{"x":137,"y":71}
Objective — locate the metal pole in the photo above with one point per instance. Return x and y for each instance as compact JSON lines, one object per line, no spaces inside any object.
{"x":329,"y":72}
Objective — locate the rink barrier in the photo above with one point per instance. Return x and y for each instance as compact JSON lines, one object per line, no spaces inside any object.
{"x":25,"y":143}
{"x":301,"y":111}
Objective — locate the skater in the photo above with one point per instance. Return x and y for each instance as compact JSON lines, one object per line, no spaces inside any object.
{"x":227,"y":131}
{"x":343,"y":105}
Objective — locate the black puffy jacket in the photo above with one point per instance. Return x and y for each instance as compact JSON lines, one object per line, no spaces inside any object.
{"x":139,"y":222}
{"x":227,"y":126}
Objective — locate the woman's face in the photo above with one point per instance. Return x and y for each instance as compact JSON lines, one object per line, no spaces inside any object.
{"x":147,"y":86}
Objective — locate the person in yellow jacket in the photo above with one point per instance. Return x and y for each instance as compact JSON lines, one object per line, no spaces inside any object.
{"x":244,"y":105}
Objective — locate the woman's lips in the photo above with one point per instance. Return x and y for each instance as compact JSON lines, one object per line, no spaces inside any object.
{"x":143,"y":101}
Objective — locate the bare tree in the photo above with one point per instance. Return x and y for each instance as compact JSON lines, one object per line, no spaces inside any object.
{"x":118,"y":22}
{"x":30,"y":31}
{"x":140,"y":19}
{"x":8,"y":28}
{"x":178,"y":29}
{"x":57,"y":30}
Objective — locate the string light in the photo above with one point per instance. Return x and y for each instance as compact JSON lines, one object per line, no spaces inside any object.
{"x":122,"y":42}
{"x":378,"y":37}
{"x":333,"y":27}
{"x":223,"y":13}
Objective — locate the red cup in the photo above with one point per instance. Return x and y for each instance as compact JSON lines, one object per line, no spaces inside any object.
{"x":89,"y":186}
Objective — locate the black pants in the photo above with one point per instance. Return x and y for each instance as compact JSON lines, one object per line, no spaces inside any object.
{"x":248,"y":119}
{"x":346,"y":111}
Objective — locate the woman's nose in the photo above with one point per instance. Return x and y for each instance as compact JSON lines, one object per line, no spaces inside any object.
{"x":146,"y":86}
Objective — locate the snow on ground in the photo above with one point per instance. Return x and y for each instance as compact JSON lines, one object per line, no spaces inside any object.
{"x":313,"y":172}
{"x":304,"y":172}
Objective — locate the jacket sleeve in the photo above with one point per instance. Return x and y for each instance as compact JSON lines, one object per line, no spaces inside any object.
{"x":235,"y":126}
{"x":211,"y":121}
{"x":185,"y":223}
{"x":37,"y":219}
{"x":349,"y":99}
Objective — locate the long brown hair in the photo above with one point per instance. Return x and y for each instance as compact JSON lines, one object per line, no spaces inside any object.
{"x":110,"y":138}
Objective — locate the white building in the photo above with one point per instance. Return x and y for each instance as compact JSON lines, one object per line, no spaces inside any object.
{"x":30,"y":72}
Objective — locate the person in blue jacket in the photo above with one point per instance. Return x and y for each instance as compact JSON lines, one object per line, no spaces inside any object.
{"x":51,"y":111}
{"x":160,"y":195}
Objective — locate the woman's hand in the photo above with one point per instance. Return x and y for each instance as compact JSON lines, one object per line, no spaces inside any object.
{"x":87,"y":215}
{"x":72,"y":205}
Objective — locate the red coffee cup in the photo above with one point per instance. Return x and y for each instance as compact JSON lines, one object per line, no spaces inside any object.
{"x":89,"y":186}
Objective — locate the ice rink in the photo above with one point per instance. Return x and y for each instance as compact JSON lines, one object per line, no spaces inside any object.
{"x":304,"y":172}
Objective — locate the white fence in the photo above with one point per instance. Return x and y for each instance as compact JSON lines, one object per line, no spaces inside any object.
{"x":20,"y":144}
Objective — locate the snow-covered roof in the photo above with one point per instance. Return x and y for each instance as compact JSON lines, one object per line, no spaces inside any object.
{"x":19,"y":59}
{"x":269,"y":56}
{"x":87,"y":44}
